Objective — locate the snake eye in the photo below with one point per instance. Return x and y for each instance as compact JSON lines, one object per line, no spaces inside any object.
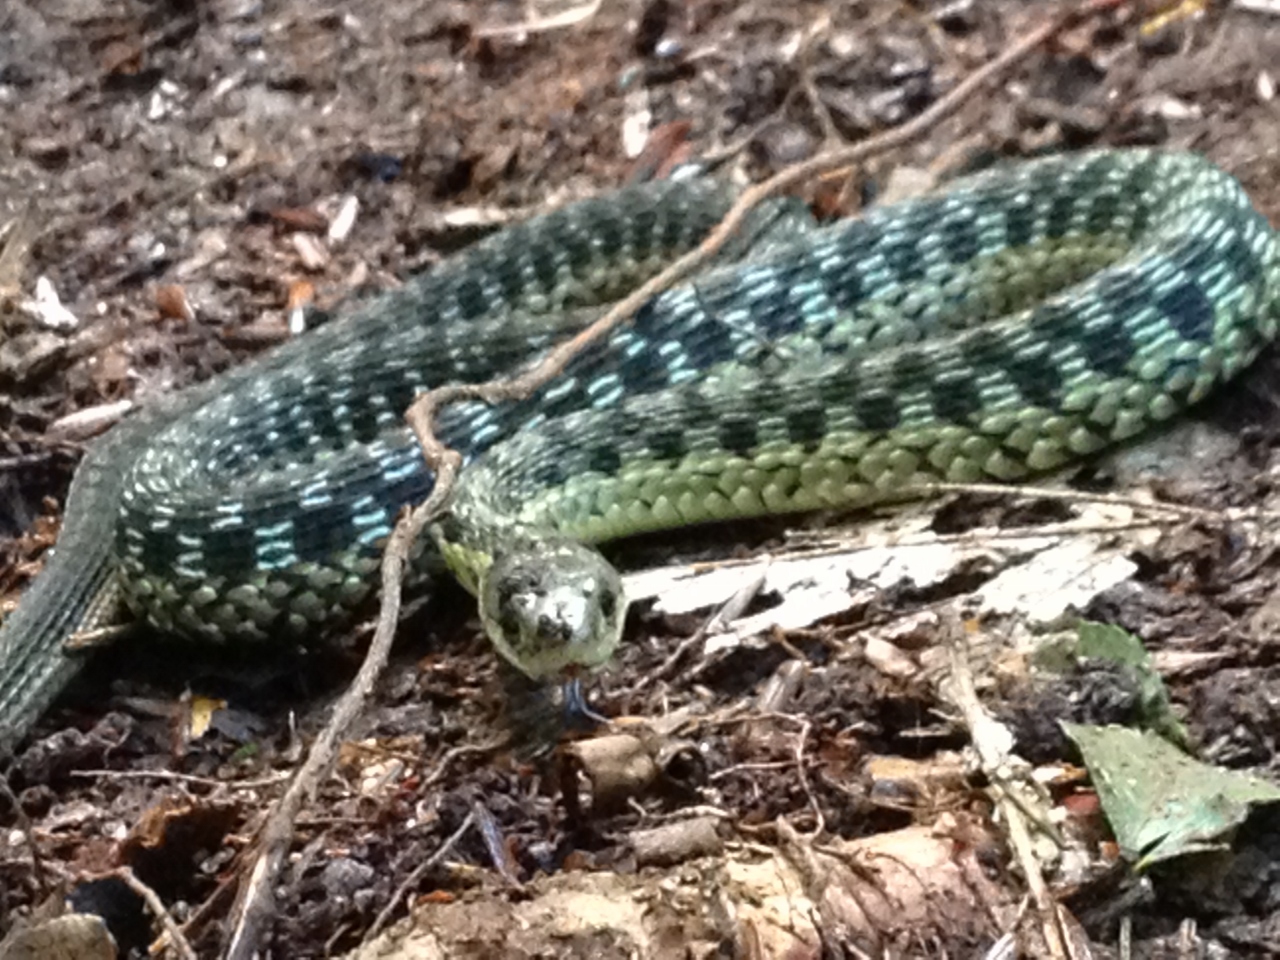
{"x":608,"y":604}
{"x":509,"y":624}
{"x":506,"y":613}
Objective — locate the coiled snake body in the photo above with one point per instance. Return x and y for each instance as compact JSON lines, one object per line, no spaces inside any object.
{"x":1018,"y":320}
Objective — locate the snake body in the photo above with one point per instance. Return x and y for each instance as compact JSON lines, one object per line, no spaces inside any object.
{"x":1018,"y":320}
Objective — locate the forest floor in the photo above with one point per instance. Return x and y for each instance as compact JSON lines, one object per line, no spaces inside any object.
{"x":183,"y":176}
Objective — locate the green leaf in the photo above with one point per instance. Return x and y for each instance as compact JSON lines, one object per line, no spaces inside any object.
{"x":1107,"y":643}
{"x":1160,"y":802}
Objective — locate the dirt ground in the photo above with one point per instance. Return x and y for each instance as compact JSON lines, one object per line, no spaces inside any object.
{"x":173,"y":172}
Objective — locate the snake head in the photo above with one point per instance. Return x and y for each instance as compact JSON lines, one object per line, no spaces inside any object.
{"x":552,"y":608}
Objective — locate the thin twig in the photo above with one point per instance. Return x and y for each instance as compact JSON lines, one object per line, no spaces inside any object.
{"x":176,"y":777}
{"x":819,"y":821}
{"x":27,"y":828}
{"x":255,"y":907}
{"x":454,"y":753}
{"x":567,"y":18}
{"x":992,"y":742}
{"x":418,"y":873}
{"x":1217,"y":515}
{"x":161,"y":912}
{"x":725,"y":614}
{"x":504,"y":864}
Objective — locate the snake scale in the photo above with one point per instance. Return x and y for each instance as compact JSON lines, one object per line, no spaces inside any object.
{"x":1013,"y":322}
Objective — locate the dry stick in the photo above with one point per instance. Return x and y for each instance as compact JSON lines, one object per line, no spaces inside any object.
{"x":27,"y":829}
{"x":1218,"y":516}
{"x":176,"y":777}
{"x":726,"y":613}
{"x":993,"y":744}
{"x":412,"y":879}
{"x":157,"y":907}
{"x":254,"y":907}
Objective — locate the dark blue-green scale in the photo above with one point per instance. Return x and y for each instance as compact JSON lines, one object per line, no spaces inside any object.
{"x":1035,"y":373}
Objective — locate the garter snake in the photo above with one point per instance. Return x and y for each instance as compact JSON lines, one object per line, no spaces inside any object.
{"x":1013,"y":322}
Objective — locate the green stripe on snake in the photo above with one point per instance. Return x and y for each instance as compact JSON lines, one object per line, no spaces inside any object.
{"x":1014,"y":322}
